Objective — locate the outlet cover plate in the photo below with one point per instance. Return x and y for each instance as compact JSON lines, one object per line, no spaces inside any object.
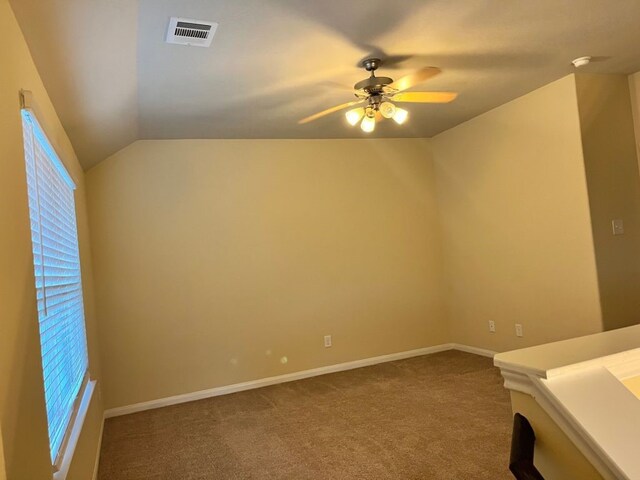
{"x":519,"y":332}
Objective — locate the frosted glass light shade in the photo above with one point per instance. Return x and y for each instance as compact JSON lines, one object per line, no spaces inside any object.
{"x":354,"y":116}
{"x":400,"y":116}
{"x":368,"y":124}
{"x":387,"y":109}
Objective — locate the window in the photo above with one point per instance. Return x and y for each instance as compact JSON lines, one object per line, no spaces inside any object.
{"x":58,"y":284}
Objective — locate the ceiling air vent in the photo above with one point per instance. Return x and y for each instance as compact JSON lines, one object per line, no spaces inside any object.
{"x":184,"y":31}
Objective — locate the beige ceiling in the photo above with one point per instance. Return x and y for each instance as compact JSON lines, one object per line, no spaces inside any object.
{"x":113,"y":79}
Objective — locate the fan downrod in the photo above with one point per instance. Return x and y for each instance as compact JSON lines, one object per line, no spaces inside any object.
{"x":372,"y":85}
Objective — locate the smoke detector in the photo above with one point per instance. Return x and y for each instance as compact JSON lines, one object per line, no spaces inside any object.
{"x":185,"y":31}
{"x":581,"y":61}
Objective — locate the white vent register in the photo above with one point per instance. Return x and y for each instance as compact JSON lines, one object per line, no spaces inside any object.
{"x":185,"y":31}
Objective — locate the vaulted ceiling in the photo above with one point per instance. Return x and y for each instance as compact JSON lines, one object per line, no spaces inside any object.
{"x":113,"y":79}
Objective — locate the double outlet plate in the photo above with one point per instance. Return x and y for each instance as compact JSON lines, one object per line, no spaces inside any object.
{"x":519,"y":332}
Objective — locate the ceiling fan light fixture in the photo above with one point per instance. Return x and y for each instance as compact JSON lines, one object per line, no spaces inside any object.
{"x":368,"y":124}
{"x":353,"y":116}
{"x":400,"y":116}
{"x":376,"y":97}
{"x":387,"y":109}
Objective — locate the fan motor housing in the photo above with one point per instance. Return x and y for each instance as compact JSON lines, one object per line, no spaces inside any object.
{"x":373,"y":84}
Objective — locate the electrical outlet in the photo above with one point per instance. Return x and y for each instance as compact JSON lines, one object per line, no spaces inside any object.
{"x":492,"y":326}
{"x":519,"y":330}
{"x":327,"y":341}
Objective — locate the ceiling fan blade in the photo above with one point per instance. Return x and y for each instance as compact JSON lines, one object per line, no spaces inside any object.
{"x":424,"y":97}
{"x":328,"y":111}
{"x":415,"y":78}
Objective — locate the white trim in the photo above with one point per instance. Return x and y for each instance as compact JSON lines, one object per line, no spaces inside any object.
{"x":289,"y":377}
{"x":76,"y":430}
{"x":265,"y":382}
{"x":518,"y":369}
{"x":475,"y":350}
{"x":518,"y":381}
{"x":536,"y":383}
{"x":97,"y":462}
{"x":532,"y":385}
{"x":46,"y":144}
{"x":576,"y":433}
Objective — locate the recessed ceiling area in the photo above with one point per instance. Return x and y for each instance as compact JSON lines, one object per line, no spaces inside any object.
{"x":113,"y":79}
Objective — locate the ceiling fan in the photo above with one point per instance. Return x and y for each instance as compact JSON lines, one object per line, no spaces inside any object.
{"x":375,"y":97}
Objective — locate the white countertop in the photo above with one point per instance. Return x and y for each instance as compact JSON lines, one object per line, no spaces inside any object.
{"x":545,"y":358}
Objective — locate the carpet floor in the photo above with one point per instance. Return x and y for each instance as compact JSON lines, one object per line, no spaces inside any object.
{"x":439,"y":416}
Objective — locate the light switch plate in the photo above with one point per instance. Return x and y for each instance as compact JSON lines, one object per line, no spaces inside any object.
{"x":618,"y":226}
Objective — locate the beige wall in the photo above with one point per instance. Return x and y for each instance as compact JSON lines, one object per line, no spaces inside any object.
{"x":22,"y":410}
{"x":216,"y":258}
{"x":614,"y":192}
{"x":516,"y":228}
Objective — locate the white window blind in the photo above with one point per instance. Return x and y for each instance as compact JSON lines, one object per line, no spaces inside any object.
{"x":58,"y":283}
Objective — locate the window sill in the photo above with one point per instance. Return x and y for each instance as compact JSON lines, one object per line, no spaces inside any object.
{"x":76,"y":430}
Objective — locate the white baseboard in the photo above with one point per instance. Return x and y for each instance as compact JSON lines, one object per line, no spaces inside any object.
{"x":475,"y":350}
{"x":289,"y":377}
{"x":97,"y":462}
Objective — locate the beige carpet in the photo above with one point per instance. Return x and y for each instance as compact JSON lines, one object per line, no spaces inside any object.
{"x":441,"y":416}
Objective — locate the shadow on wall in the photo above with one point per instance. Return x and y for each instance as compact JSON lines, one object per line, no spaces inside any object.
{"x":613,"y":183}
